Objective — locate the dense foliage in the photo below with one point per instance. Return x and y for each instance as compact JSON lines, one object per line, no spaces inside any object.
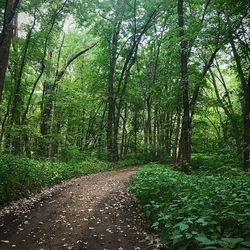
{"x":20,"y":176}
{"x":152,"y":79}
{"x":216,"y":165}
{"x":195,"y":211}
{"x":131,"y":82}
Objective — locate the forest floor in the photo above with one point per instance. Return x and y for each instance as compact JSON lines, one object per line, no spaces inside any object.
{"x":91,"y":212}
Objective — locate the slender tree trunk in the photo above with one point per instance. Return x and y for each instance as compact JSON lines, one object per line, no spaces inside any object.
{"x":159,"y":139}
{"x":185,"y":142}
{"x":18,"y":98}
{"x":18,"y":66}
{"x":54,"y":147}
{"x":124,"y":131}
{"x":176,"y":139}
{"x":135,"y":131}
{"x":45,"y":120}
{"x":111,"y":113}
{"x":46,"y":111}
{"x":111,"y":97}
{"x":5,"y":138}
{"x":149,"y":120}
{"x":167,"y":135}
{"x":145,"y":131}
{"x":171,"y":131}
{"x":155,"y":128}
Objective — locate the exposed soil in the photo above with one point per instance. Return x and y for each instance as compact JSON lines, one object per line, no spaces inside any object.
{"x":92,"y":212}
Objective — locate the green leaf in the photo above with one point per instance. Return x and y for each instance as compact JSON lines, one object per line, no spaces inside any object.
{"x":183,"y":226}
{"x":155,"y":225}
{"x":177,"y":238}
{"x":204,"y":240}
{"x":245,"y":243}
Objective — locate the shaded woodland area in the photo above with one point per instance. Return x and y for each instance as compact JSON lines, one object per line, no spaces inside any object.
{"x":128,"y":78}
{"x":89,"y":86}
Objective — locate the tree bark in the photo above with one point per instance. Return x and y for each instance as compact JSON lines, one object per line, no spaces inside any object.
{"x":135,"y":132}
{"x":185,"y":142}
{"x":149,"y":120}
{"x":124,"y":132}
{"x":111,"y":99}
{"x":176,"y":138}
{"x":5,"y":38}
{"x":18,"y":98}
{"x":245,"y":83}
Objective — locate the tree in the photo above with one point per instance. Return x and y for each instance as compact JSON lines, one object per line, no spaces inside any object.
{"x":10,"y":10}
{"x":184,"y":147}
{"x":125,"y":78}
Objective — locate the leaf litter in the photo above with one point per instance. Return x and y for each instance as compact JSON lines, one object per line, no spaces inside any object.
{"x":91,"y":212}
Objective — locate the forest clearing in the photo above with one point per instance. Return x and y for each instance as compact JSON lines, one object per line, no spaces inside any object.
{"x":124,"y":124}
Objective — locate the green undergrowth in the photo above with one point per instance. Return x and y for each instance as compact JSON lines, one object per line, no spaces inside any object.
{"x":195,"y":211}
{"x":130,"y":162}
{"x":21,"y":176}
{"x":217,"y":165}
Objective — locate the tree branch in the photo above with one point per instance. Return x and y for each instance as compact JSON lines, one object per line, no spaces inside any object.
{"x":60,"y":73}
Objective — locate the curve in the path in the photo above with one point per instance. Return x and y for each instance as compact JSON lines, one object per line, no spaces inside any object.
{"x":92,"y":212}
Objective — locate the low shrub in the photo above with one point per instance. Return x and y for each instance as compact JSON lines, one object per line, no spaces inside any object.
{"x":194,"y":212}
{"x":130,"y":162}
{"x":226,"y":165}
{"x":21,"y":176}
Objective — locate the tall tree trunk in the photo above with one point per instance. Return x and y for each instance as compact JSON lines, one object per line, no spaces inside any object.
{"x":5,"y":38}
{"x":149,"y":120}
{"x":46,"y":111}
{"x":45,"y":120}
{"x":145,"y":130}
{"x":155,"y":133}
{"x":124,"y":131}
{"x":135,"y":132}
{"x":111,"y":98}
{"x":176,"y":139}
{"x":245,"y":83}
{"x":185,"y":142}
{"x":54,"y":147}
{"x":167,"y":135}
{"x":18,"y":98}
{"x":5,"y":136}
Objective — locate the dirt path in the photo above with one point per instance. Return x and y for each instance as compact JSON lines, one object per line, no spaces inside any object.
{"x":92,"y":212}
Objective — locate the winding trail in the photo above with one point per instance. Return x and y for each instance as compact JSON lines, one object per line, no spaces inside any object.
{"x":92,"y":212}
